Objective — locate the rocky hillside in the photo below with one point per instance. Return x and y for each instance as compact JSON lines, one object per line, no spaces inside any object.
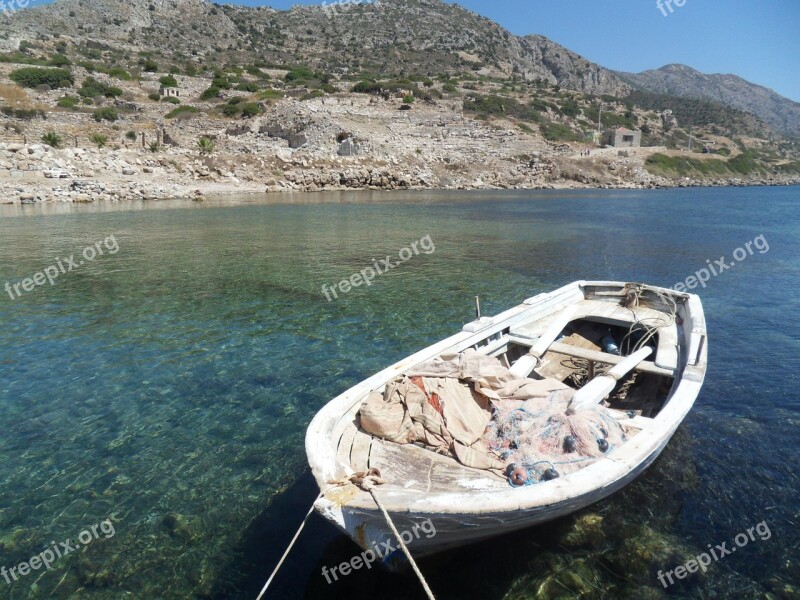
{"x":679,"y":80}
{"x":425,"y":37}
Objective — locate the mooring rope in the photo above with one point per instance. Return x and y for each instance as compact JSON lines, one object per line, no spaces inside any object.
{"x":288,"y":549}
{"x":369,"y":486}
{"x":367,"y":480}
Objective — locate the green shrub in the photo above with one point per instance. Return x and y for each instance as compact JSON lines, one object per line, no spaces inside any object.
{"x":205,"y":145}
{"x":487,"y":106}
{"x":131,"y":135}
{"x":22,"y":58}
{"x":107,"y":113}
{"x":367,"y":87}
{"x":556,"y":132}
{"x":168,"y":81}
{"x":99,"y":140}
{"x":185,"y":109}
{"x":154,"y":96}
{"x":170,"y":100}
{"x":250,"y":109}
{"x":68,"y":102}
{"x":299,"y":73}
{"x":248,"y":86}
{"x":23,"y":113}
{"x":91,"y":88}
{"x":408,"y":99}
{"x":150,"y":66}
{"x":745,"y":163}
{"x":661,"y":164}
{"x":570,"y":108}
{"x":541,"y":106}
{"x":154,"y":147}
{"x":270,"y":95}
{"x":231,"y":110}
{"x":221,"y":82}
{"x":28,"y":114}
{"x":51,"y":138}
{"x":450,"y":88}
{"x":312,"y":94}
{"x":119,"y":73}
{"x":33,"y":77}
{"x":212,"y":92}
{"x":59,"y":60}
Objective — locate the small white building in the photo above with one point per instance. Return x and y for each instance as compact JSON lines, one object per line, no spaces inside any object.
{"x":169,"y":92}
{"x":624,"y":138}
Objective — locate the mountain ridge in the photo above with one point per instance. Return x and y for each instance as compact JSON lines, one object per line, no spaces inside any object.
{"x":730,"y":89}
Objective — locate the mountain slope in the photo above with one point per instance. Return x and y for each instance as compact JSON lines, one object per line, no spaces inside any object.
{"x":386,"y":38}
{"x":679,"y":80}
{"x":425,"y":37}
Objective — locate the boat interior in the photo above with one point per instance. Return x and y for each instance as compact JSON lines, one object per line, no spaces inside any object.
{"x":573,"y":343}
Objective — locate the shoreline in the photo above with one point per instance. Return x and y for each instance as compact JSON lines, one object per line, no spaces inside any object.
{"x":37,"y":174}
{"x":97,"y":191}
{"x":233,"y":198}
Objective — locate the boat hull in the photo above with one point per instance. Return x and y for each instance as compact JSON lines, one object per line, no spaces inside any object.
{"x":431,"y":533}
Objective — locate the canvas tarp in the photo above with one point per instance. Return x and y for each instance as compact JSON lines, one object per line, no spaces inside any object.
{"x":446,"y":404}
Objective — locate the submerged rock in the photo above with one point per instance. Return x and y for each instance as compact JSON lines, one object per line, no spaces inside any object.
{"x":586,"y":530}
{"x":182,"y":527}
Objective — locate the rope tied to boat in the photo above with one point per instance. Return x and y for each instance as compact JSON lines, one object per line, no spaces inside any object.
{"x":368,"y":481}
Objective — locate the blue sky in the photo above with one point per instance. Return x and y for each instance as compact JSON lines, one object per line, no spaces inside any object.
{"x":755,"y":39}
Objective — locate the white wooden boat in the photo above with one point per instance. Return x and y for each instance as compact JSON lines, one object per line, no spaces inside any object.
{"x":465,"y":504}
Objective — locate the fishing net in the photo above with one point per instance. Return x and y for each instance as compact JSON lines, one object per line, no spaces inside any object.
{"x":538,"y":441}
{"x":471,"y":407}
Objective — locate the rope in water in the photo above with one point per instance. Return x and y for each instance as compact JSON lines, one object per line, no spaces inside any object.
{"x":288,"y":549}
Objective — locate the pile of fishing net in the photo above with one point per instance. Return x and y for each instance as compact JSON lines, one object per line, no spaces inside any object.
{"x":538,"y":441}
{"x":469,"y":406}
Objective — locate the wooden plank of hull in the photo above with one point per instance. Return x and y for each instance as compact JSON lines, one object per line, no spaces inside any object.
{"x":368,"y":527}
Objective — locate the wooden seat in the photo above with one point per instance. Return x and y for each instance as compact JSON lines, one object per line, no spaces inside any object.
{"x":606,"y":358}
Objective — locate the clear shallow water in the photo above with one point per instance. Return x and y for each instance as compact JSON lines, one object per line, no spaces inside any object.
{"x":168,"y":387}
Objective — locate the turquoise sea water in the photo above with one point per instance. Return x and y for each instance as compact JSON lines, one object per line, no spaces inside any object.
{"x":167,"y":387}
